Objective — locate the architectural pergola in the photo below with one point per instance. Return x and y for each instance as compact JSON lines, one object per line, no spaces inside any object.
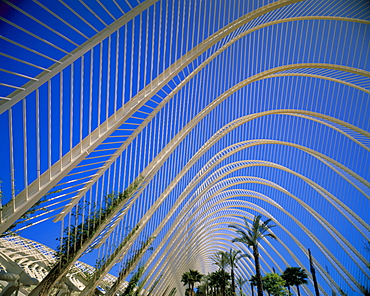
{"x":135,"y":132}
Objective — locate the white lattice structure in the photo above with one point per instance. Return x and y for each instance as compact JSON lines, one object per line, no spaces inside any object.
{"x":217,"y":110}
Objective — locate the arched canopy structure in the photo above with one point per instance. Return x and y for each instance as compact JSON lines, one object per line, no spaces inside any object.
{"x":150,"y":126}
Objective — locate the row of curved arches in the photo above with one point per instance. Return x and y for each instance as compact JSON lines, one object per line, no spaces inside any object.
{"x":261,"y":108}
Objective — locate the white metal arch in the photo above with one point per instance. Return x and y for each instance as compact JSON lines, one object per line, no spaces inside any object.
{"x":204,"y":75}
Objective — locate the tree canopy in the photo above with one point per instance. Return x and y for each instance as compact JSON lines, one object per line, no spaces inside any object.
{"x":250,"y":235}
{"x":274,"y":284}
{"x":295,"y":276}
{"x":190,"y":278}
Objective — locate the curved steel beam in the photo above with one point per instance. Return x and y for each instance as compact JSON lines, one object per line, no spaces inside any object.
{"x":170,"y":147}
{"x":262,"y":211}
{"x":329,"y":197}
{"x":146,"y":217}
{"x":338,"y":204}
{"x":331,"y":163}
{"x":326,"y":225}
{"x":159,"y":160}
{"x":155,"y":206}
{"x":46,"y":75}
{"x":206,"y":62}
{"x":331,"y":230}
{"x":30,"y":195}
{"x":208,"y":216}
{"x":326,"y":252}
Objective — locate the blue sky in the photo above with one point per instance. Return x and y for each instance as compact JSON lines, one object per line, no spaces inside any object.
{"x":115,"y":70}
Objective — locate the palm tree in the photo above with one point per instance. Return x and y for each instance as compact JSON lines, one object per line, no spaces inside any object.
{"x":251,"y":235}
{"x":295,"y":276}
{"x":202,"y":289}
{"x":218,"y":281}
{"x":240,"y":282}
{"x":233,"y":257}
{"x":185,"y":279}
{"x":221,"y":259}
{"x":190,"y":278}
{"x":196,"y":277}
{"x":214,"y":282}
{"x":206,"y":284}
{"x":253,"y":281}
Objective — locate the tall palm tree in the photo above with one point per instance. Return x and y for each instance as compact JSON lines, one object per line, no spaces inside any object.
{"x":233,"y":258}
{"x":185,"y":278}
{"x":190,"y":278}
{"x":295,"y":276}
{"x":218,"y":281}
{"x":196,"y":277}
{"x":221,"y":259}
{"x":253,"y":282}
{"x":250,"y":235}
{"x":206,"y":283}
{"x":214,"y":282}
{"x":240,"y":282}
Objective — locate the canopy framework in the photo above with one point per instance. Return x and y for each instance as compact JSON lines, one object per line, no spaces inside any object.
{"x":179,"y":92}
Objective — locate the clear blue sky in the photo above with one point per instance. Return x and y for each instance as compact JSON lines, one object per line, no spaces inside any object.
{"x":116,"y":69}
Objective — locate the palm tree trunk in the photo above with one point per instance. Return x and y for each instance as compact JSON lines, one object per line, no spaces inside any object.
{"x":223,"y":285}
{"x":299,"y":293}
{"x":258,"y":270}
{"x":252,"y":290}
{"x":313,"y":272}
{"x":232,"y":281}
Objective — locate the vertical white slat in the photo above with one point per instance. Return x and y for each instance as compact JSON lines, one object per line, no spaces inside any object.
{"x":159,"y":37}
{"x":132,"y":56}
{"x":108,"y":78}
{"x":91,"y":92}
{"x":171,"y":34}
{"x":71,"y":113}
{"x":165,"y":38}
{"x":120,"y":172}
{"x":124,"y":67}
{"x":153,"y":48}
{"x":139,"y":54}
{"x":115,"y":181}
{"x":116,"y":76}
{"x":177,"y":30}
{"x":49,"y":128}
{"x":146,"y":45}
{"x":61,"y":119}
{"x":11,"y":155}
{"x":25,"y":167}
{"x":100,"y":82}
{"x":81,"y":99}
{"x":38,"y":160}
{"x":183,"y":30}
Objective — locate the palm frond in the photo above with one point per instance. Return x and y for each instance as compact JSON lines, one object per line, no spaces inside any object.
{"x":271,"y":235}
{"x":245,"y":256}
